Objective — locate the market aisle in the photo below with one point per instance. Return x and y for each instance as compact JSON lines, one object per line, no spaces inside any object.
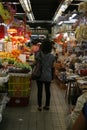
{"x":29,"y":118}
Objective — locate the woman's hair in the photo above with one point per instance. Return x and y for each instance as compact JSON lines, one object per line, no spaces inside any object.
{"x":46,"y":46}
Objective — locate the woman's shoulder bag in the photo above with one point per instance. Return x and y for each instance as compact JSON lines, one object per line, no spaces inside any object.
{"x":37,"y":69}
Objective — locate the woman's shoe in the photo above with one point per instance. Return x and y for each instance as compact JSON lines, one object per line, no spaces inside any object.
{"x":39,"y":108}
{"x":46,"y":108}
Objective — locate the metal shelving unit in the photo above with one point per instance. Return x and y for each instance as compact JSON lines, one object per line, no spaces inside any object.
{"x":3,"y":94}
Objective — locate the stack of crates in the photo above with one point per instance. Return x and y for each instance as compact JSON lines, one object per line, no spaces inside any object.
{"x":19,"y":89}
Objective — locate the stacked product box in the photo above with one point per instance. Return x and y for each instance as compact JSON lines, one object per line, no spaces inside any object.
{"x":19,"y":89}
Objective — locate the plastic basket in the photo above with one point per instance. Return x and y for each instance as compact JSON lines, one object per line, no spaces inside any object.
{"x":19,"y":93}
{"x":20,"y":86}
{"x":18,"y":101}
{"x":19,"y":82}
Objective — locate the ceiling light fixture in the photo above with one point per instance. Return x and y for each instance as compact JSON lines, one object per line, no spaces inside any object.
{"x":30,"y":16}
{"x":67,"y":22}
{"x":61,"y":9}
{"x":60,"y":23}
{"x":26,"y":5}
{"x":73,"y":16}
{"x":70,"y":21}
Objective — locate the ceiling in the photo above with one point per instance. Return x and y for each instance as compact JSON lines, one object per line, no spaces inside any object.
{"x":44,"y":11}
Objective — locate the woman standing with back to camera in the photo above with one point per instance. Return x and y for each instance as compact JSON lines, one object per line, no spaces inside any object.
{"x":47,"y":61}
